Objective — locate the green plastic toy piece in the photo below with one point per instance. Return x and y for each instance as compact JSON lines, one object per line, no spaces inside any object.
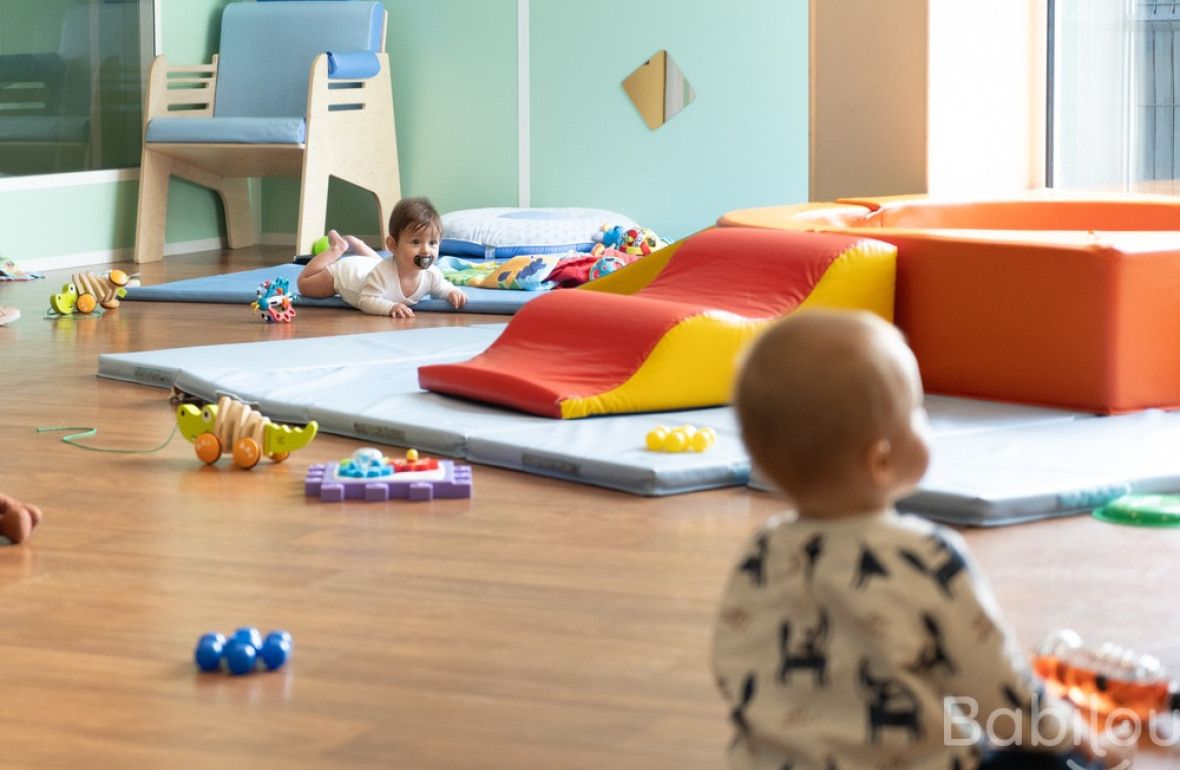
{"x":1142,"y":511}
{"x":320,"y":244}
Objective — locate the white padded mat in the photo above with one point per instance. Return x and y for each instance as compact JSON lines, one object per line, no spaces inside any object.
{"x":993,"y":463}
{"x":366,"y":386}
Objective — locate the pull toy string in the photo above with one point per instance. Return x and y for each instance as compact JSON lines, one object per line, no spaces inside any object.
{"x":84,"y":432}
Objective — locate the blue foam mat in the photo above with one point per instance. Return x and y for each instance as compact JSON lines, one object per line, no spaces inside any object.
{"x":241,"y":288}
{"x":992,"y":463}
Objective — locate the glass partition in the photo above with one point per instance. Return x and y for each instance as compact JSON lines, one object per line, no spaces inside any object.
{"x":1116,"y":95}
{"x":72,"y":74}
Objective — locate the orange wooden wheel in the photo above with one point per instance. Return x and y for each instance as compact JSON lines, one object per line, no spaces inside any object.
{"x":247,"y":453}
{"x":278,"y":457}
{"x":86,"y":303}
{"x":208,"y":448}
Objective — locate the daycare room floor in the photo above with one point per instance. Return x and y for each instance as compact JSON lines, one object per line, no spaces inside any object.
{"x":542,"y":624}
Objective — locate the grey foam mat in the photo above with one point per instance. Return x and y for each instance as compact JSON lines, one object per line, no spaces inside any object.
{"x":241,"y":288}
{"x":993,"y":463}
{"x":365,"y":386}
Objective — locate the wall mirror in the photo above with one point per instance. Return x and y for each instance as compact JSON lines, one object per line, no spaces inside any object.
{"x":658,"y":89}
{"x":71,"y":83}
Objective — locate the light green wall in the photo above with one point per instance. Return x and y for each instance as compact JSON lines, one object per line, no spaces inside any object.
{"x":742,"y":142}
{"x":453,"y":66}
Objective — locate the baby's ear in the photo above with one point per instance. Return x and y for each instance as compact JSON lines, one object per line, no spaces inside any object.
{"x":390,"y":243}
{"x":878,"y":461}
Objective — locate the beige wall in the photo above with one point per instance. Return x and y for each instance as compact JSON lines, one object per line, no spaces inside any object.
{"x":938,"y":96}
{"x":868,"y":97}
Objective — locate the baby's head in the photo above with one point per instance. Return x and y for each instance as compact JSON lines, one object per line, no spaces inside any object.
{"x":830,"y":405}
{"x":415,"y":228}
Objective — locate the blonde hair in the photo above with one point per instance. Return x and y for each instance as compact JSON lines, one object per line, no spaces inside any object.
{"x":816,"y":390}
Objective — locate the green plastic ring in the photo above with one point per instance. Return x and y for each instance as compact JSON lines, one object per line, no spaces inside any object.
{"x":1142,"y":511}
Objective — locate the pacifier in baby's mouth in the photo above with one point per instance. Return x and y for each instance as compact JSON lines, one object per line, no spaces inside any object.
{"x":424,"y":260}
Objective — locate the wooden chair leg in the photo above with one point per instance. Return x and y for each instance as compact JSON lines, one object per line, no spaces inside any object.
{"x":313,"y":209}
{"x":239,"y":216}
{"x":154,"y":173}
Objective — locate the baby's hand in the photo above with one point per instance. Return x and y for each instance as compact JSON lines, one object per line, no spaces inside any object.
{"x":401,"y":311}
{"x":457,"y":299}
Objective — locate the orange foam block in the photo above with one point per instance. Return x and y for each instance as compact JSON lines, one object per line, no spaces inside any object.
{"x":1048,"y":299}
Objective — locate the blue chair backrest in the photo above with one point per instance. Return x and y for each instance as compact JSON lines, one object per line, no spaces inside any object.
{"x":267,"y":49}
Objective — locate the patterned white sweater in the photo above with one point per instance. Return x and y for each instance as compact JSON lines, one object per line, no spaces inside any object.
{"x":866,"y":643}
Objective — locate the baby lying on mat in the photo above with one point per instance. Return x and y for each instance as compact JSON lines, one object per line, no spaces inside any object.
{"x":385,"y":286}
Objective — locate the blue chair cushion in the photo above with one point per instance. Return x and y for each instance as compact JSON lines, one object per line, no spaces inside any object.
{"x":267,"y":50}
{"x":354,"y":65}
{"x":227,"y":130}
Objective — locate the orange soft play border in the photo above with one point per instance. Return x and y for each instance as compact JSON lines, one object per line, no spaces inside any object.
{"x":1045,"y":299}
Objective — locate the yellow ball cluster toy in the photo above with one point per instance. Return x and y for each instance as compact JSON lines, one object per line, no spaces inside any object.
{"x":682,"y":438}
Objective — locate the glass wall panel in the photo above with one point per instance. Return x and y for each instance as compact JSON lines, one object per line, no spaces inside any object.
{"x":72,"y":75}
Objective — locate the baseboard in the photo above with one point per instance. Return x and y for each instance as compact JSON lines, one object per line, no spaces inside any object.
{"x":71,"y":261}
{"x":191,"y":247}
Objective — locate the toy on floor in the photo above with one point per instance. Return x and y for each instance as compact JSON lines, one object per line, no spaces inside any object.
{"x":636,"y":241}
{"x":11,"y":271}
{"x":233,"y":427}
{"x":17,"y":519}
{"x":87,"y":291}
{"x":275,"y":301}
{"x":682,"y":438}
{"x":241,"y":652}
{"x":1105,"y":680}
{"x":604,"y":265}
{"x":370,"y":476}
{"x":1141,"y":511}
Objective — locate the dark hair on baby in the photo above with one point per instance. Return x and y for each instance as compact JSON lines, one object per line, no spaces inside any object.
{"x":414,"y":214}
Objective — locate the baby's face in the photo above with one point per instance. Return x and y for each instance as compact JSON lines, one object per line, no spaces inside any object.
{"x":415,"y":248}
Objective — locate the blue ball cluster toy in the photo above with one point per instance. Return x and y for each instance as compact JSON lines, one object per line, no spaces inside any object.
{"x":242,"y":651}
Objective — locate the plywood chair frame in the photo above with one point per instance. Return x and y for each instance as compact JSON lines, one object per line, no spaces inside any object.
{"x":350,"y":135}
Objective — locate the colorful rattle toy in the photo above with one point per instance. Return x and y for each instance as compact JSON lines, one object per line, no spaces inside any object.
{"x":232,"y":426}
{"x":636,"y":241}
{"x":242,"y":651}
{"x":87,"y":291}
{"x":371,"y":476}
{"x":275,"y":301}
{"x":682,"y":438}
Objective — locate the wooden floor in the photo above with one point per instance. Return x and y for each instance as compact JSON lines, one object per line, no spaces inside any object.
{"x":540,"y":625}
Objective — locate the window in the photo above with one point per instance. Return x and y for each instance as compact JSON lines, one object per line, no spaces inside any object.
{"x":71,"y":83}
{"x":1115,"y":72}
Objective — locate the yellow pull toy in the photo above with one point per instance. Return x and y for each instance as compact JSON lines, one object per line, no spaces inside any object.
{"x":86,"y":291}
{"x":235,"y":428}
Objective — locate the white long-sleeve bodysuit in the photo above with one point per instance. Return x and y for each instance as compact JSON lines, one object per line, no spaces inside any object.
{"x":372,"y":284}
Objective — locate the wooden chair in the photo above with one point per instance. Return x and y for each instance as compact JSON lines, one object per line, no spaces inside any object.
{"x":274,"y":102}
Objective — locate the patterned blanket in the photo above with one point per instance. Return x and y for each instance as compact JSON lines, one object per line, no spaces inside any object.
{"x":528,"y":272}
